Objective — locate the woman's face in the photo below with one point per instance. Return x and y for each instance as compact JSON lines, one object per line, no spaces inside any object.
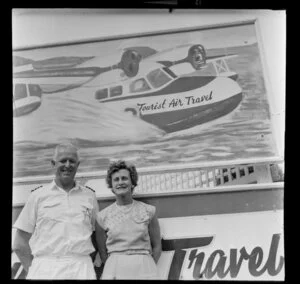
{"x":121,"y":182}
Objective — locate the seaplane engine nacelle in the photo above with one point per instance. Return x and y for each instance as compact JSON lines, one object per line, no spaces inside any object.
{"x":197,"y":56}
{"x":130,"y":62}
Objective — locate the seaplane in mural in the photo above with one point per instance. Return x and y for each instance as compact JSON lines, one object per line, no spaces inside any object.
{"x":164,"y":88}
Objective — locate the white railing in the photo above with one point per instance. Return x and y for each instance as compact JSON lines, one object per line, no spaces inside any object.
{"x":171,"y":179}
{"x":157,"y":169}
{"x":196,"y":179}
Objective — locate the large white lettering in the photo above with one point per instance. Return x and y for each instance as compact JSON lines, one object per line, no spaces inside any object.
{"x":218,"y":263}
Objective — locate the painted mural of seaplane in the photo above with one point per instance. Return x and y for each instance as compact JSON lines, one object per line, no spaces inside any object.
{"x":160,"y":88}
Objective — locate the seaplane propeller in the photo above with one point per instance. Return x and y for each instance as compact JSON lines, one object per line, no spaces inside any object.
{"x":130,"y":62}
{"x":196,"y":57}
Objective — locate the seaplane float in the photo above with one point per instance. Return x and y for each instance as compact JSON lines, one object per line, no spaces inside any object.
{"x":165,"y":88}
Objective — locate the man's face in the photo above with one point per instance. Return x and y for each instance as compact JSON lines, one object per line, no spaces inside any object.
{"x":65,"y":165}
{"x":121,"y":182}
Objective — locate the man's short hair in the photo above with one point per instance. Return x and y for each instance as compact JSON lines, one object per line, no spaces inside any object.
{"x":63,"y":146}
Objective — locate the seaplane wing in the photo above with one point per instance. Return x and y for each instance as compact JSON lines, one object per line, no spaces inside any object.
{"x":187,"y":58}
{"x":63,"y":73}
{"x":210,"y":59}
{"x":194,"y":54}
{"x":53,"y":74}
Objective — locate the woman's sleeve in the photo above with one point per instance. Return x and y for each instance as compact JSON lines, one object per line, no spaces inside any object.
{"x":151,"y":211}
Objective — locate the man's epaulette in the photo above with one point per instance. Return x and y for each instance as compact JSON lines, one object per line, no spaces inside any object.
{"x":36,"y":188}
{"x":89,"y":188}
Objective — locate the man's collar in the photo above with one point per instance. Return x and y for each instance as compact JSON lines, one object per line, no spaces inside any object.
{"x":53,"y":186}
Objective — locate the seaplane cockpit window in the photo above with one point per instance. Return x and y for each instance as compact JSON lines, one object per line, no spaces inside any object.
{"x":170,"y":72}
{"x":139,"y":85}
{"x":20,"y":91}
{"x":101,"y":94}
{"x":115,"y":91}
{"x":158,"y":78}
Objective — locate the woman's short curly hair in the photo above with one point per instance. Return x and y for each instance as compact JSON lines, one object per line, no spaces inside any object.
{"x":121,"y":165}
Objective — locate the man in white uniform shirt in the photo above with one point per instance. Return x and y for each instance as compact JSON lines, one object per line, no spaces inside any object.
{"x":54,"y":229}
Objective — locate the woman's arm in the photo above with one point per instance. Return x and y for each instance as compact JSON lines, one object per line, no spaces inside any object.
{"x":101,"y":242}
{"x":155,"y":238}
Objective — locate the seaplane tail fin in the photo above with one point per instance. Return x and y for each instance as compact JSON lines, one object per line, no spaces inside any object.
{"x":220,"y":65}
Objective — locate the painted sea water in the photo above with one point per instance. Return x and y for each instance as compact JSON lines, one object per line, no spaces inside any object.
{"x":103,"y":134}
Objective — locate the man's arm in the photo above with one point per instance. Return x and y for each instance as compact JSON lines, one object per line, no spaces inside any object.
{"x":93,"y":238}
{"x":101,"y":242}
{"x":22,"y":249}
{"x":154,"y":232}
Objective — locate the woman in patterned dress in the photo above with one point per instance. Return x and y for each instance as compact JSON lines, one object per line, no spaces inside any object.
{"x":128,"y":233}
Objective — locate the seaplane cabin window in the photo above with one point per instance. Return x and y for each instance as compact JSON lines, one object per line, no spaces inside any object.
{"x":34,"y":90}
{"x":101,"y":94}
{"x":115,"y":91}
{"x":158,"y":78}
{"x":20,"y":91}
{"x":139,"y":85}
